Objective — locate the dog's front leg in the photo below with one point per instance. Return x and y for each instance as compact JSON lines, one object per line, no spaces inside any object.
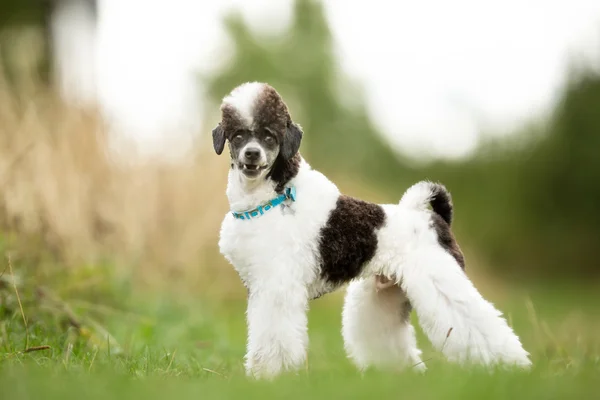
{"x":277,"y":329}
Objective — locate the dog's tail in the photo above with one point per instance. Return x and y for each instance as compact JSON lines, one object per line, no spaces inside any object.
{"x":458,"y":321}
{"x":425,"y":193}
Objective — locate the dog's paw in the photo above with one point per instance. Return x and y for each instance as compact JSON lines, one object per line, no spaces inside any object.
{"x":260,"y":368}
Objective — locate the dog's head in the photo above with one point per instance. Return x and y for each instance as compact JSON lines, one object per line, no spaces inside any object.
{"x":257,"y":125}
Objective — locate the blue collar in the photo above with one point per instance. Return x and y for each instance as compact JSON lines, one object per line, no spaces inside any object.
{"x":289,"y":193}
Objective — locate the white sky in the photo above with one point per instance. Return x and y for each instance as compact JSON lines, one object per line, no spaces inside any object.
{"x":435,"y":71}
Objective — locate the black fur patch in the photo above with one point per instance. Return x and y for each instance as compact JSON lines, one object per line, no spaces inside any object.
{"x":349,"y":239}
{"x":271,"y":111}
{"x":441,"y":202}
{"x":218,"y":135}
{"x":291,"y":141}
{"x":446,"y":239}
{"x":283,"y":170}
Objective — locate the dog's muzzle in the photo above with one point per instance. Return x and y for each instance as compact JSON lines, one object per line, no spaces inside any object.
{"x":252,"y":161}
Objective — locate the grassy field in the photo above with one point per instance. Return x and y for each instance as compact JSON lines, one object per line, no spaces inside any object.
{"x":153,"y":346}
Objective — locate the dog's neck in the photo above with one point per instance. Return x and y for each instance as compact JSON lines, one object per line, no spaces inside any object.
{"x":244,"y":194}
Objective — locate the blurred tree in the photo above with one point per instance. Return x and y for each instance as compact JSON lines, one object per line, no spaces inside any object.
{"x":563,"y":182}
{"x":35,"y":15}
{"x":16,"y":14}
{"x":530,"y":202}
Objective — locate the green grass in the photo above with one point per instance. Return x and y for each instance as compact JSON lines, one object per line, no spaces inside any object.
{"x":161,"y":347}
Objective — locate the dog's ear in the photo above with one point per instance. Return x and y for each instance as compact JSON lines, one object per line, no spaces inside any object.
{"x":218,"y":139}
{"x":291,"y":140}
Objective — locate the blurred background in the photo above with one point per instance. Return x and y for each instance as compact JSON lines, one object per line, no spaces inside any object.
{"x":107,"y":174}
{"x":106,"y":105}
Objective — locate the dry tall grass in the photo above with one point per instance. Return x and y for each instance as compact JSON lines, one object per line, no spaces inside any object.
{"x":59,"y":182}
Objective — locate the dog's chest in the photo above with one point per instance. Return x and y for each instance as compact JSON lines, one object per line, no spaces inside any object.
{"x":275,"y":244}
{"x":283,"y":244}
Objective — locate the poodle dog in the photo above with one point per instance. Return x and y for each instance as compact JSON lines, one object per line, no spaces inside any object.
{"x":292,"y":237}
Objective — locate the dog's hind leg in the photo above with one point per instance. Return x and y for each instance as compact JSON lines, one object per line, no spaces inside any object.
{"x":376,"y":326}
{"x":456,"y":318}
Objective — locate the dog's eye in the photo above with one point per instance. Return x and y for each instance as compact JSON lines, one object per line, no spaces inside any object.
{"x":269,"y":139}
{"x":237,"y":138}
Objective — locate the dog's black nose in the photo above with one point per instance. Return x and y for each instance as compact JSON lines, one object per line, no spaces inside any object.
{"x":252,"y":154}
